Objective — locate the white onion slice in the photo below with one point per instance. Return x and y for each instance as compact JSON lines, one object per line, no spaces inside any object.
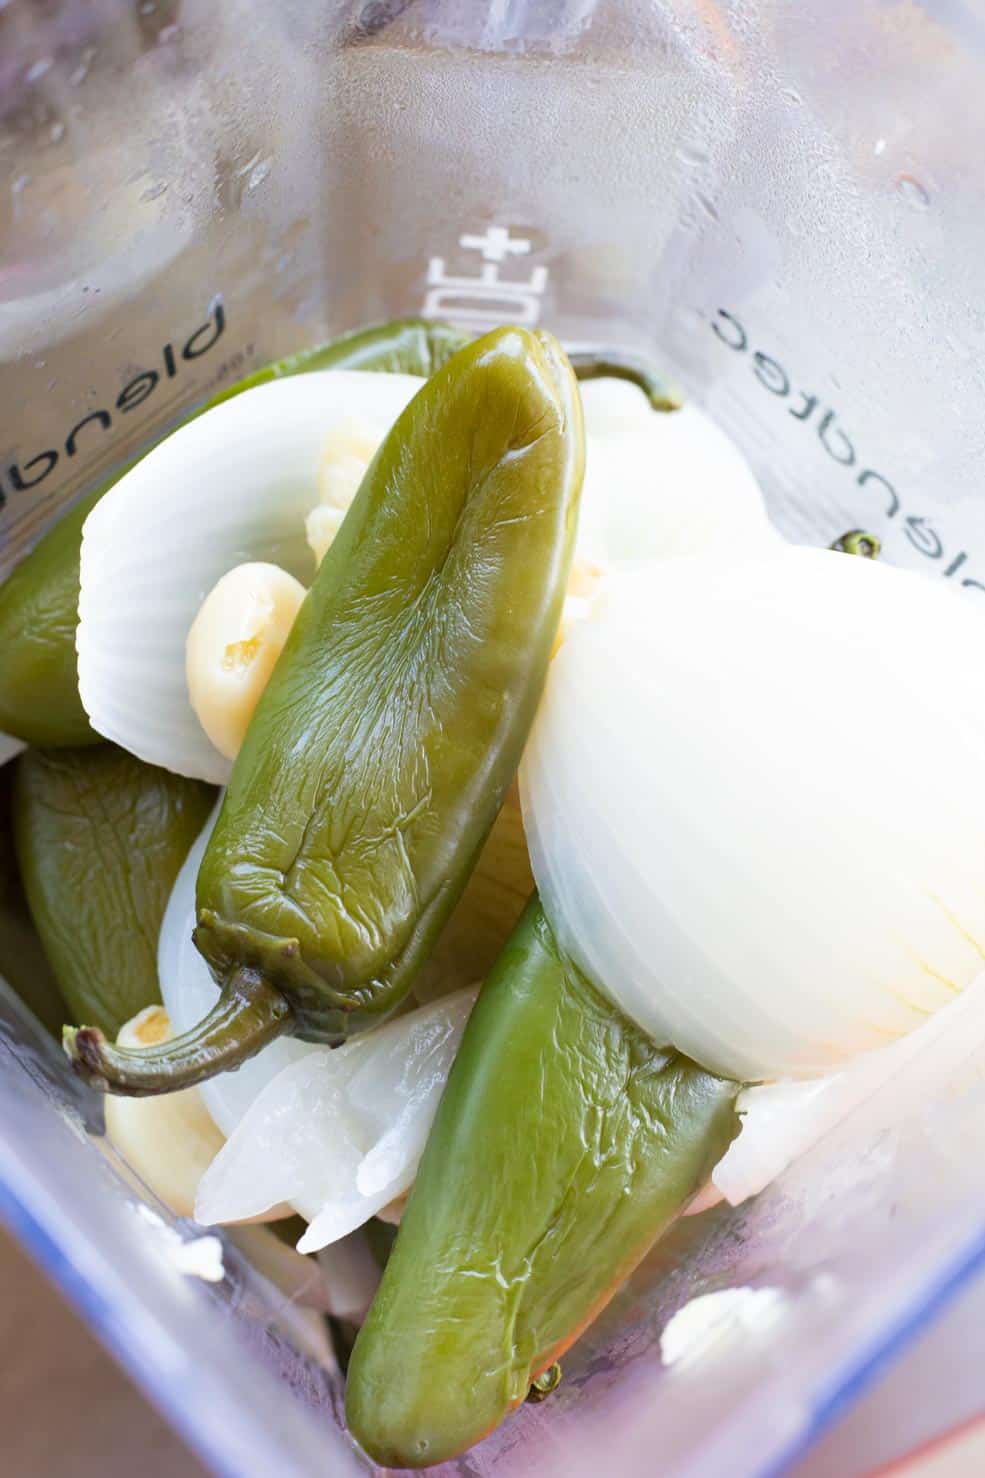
{"x":754,"y":808}
{"x":189,"y":993}
{"x":230,"y":487}
{"x":781,"y":1121}
{"x":662,"y":485}
{"x":340,"y":1134}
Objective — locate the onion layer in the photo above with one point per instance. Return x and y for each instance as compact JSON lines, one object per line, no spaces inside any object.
{"x":231,"y":487}
{"x":754,"y":807}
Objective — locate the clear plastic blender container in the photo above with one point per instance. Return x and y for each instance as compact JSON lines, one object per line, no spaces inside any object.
{"x":781,"y":204}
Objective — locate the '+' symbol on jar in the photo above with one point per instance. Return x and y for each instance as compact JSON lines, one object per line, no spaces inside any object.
{"x":481,"y":300}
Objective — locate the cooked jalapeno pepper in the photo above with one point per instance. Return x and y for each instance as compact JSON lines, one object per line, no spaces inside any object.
{"x":390,"y":730}
{"x":564,"y":1144}
{"x":39,"y":685}
{"x":100,"y":837}
{"x":23,"y":963}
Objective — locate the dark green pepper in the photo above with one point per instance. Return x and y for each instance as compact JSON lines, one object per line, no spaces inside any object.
{"x":39,"y":690}
{"x":381,"y":751}
{"x":100,"y":837}
{"x":39,"y":685}
{"x":564,"y":1144}
{"x":23,"y":963}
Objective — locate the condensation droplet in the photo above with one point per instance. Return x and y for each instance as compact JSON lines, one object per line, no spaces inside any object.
{"x":81,"y":72}
{"x":37,"y":71}
{"x":692,"y":154}
{"x":21,"y":183}
{"x":154,"y":192}
{"x":167,"y":34}
{"x":258,"y":174}
{"x":57,"y":132}
{"x":880,"y":147}
{"x":792,"y":96}
{"x":708,"y":206}
{"x":912,"y":191}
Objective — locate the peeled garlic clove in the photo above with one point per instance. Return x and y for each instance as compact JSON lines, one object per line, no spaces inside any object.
{"x":234,"y":641}
{"x":189,"y":993}
{"x":321,"y":526}
{"x":340,"y":1135}
{"x":169,"y":1142}
{"x":349,"y":450}
{"x":228,"y":488}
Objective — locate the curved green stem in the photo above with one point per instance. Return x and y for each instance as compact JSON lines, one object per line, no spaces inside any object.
{"x":248,"y":1014}
{"x":598,"y":364}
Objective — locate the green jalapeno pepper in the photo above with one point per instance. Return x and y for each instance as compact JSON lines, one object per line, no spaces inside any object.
{"x":39,"y":690}
{"x":100,"y":837}
{"x":23,"y":963}
{"x":564,"y":1144}
{"x":39,"y":686}
{"x":380,"y":753}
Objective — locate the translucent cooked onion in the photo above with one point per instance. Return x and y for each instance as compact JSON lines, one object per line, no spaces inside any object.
{"x":231,"y":487}
{"x":339,"y":1134}
{"x":781,"y":1121}
{"x":754,"y":808}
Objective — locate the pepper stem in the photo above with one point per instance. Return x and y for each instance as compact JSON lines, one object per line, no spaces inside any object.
{"x":598,"y":364}
{"x":248,"y":1014}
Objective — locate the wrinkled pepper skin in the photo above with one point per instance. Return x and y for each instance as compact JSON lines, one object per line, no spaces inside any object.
{"x":100,"y":837}
{"x":23,"y":963}
{"x":564,"y":1144}
{"x":39,"y":685}
{"x":381,"y":751}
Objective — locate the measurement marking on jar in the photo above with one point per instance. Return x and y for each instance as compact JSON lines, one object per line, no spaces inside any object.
{"x":480,"y":300}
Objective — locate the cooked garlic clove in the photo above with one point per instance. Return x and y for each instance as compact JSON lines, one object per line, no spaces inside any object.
{"x":169,"y":1142}
{"x":234,"y":641}
{"x":350,"y":448}
{"x":321,"y":526}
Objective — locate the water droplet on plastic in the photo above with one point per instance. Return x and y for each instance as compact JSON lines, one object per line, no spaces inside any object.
{"x":21,"y":183}
{"x":57,"y":132}
{"x":81,"y":72}
{"x":258,"y":174}
{"x":148,"y":7}
{"x":37,"y":71}
{"x":880,"y":147}
{"x":708,"y":206}
{"x":154,"y":192}
{"x":791,"y":95}
{"x":912,"y":191}
{"x":39,"y":364}
{"x":167,"y":34}
{"x":692,"y":154}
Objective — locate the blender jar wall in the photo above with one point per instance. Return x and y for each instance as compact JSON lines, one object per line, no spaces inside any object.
{"x":765,"y":196}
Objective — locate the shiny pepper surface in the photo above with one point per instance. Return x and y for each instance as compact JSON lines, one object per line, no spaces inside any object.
{"x":381,"y":751}
{"x":564,"y":1144}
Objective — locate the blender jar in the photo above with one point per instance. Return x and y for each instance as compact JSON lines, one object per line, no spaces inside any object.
{"x":776,"y":201}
